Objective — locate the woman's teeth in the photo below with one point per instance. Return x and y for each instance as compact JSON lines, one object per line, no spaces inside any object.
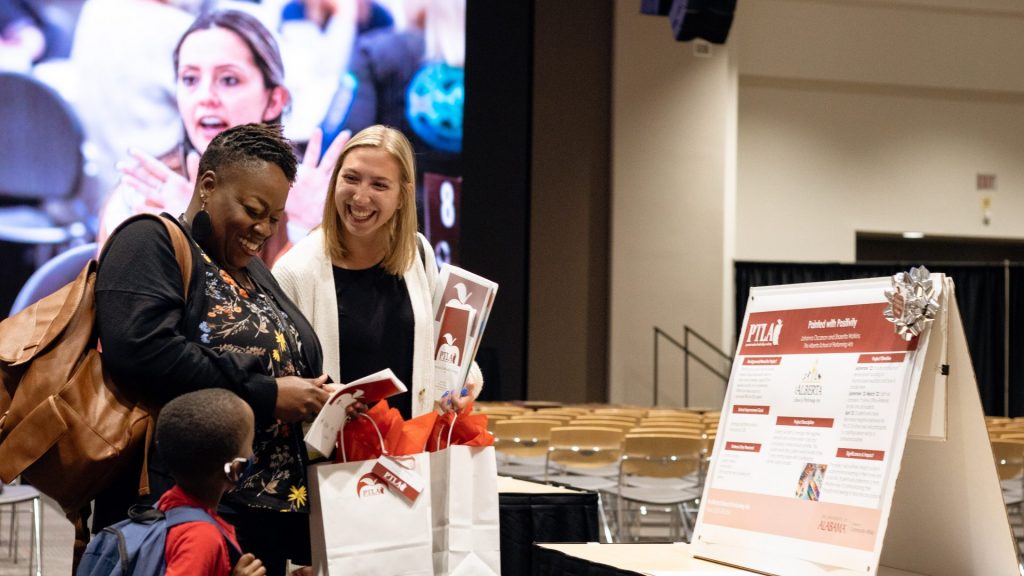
{"x":208,"y":122}
{"x":250,"y":245}
{"x":360,"y":214}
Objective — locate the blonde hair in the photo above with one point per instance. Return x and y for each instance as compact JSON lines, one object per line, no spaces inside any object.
{"x":402,"y":228}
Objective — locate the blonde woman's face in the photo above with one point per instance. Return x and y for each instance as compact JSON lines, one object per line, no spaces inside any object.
{"x":367,"y":193}
{"x":220,"y":86}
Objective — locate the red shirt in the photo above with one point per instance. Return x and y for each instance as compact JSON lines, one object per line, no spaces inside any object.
{"x":195,"y":547}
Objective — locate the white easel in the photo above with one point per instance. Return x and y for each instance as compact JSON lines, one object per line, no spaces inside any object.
{"x":948,"y":515}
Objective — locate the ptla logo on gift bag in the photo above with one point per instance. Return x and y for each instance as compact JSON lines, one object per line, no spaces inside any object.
{"x":369,"y":485}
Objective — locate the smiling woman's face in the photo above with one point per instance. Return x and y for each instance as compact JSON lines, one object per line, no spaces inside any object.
{"x":245,"y":203}
{"x":367,"y":193}
{"x":220,"y":86}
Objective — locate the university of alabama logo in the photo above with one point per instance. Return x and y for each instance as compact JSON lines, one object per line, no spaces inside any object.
{"x":810,"y":387}
{"x":369,"y":485}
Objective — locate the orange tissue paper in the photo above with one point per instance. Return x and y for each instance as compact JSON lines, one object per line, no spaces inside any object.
{"x":359,"y":439}
{"x":465,"y":428}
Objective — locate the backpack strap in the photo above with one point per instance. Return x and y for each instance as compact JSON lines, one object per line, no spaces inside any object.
{"x":182,"y":251}
{"x":186,"y":514}
{"x":179,"y":241}
{"x":144,"y":474}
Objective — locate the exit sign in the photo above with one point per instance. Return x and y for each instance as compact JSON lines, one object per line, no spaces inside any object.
{"x":986,"y":181}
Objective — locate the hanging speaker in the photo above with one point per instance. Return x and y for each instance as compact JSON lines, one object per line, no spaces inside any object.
{"x":707,"y":19}
{"x":655,"y":7}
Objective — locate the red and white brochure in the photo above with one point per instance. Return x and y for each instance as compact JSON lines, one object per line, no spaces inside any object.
{"x":323,"y":433}
{"x":462,"y":305}
{"x":452,"y":347}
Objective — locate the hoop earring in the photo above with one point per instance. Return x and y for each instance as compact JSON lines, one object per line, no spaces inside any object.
{"x":202,"y":226}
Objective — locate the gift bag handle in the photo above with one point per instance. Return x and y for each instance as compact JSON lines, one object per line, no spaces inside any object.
{"x":341,"y":437}
{"x":451,"y":429}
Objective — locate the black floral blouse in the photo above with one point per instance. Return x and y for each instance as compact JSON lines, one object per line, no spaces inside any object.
{"x":238,"y":320}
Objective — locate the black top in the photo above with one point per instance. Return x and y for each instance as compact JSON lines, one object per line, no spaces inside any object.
{"x":149,"y":335}
{"x":153,"y":341}
{"x":252,"y":321}
{"x":375,"y":328}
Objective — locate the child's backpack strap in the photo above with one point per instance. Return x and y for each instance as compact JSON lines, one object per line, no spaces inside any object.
{"x":186,"y":514}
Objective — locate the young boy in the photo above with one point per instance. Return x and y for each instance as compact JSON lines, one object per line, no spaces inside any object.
{"x":205,"y":439}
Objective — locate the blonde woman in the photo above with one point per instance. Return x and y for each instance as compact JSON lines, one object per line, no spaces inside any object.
{"x":365,"y":278}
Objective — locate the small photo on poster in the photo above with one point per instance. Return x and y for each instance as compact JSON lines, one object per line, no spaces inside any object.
{"x":808,"y":487}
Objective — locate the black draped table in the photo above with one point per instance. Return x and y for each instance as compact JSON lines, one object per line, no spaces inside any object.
{"x":637,"y":559}
{"x":621,"y":560}
{"x":531,"y":512}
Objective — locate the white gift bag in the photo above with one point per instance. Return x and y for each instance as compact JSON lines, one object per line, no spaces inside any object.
{"x":464,"y":498}
{"x":358,"y":526}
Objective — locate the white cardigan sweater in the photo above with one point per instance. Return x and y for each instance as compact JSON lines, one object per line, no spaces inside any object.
{"x":306,"y":276}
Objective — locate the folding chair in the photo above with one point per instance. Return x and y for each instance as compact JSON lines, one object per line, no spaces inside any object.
{"x":521,"y":446}
{"x":659,"y":471}
{"x":601,"y":423}
{"x":586,"y":458}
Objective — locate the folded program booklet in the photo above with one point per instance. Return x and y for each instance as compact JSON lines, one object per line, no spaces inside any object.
{"x":323,"y":433}
{"x":462,"y":305}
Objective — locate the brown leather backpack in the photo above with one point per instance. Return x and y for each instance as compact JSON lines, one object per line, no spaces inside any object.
{"x":64,"y":425}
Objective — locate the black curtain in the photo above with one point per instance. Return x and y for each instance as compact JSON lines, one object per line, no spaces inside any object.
{"x":1016,"y":315}
{"x":980,"y":294}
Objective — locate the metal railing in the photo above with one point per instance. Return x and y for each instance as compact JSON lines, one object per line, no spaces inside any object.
{"x":689,"y":354}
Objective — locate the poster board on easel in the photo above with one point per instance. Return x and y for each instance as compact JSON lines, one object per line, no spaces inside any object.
{"x":844,"y":449}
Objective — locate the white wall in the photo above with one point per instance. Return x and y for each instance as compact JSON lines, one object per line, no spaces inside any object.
{"x":817,"y":165}
{"x":819,"y":118}
{"x":875,"y":116}
{"x":968,"y":44}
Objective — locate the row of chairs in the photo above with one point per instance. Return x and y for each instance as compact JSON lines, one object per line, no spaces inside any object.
{"x":623,"y":418}
{"x":578,"y":409}
{"x":645,"y":465}
{"x":1000,"y":427}
{"x":1008,"y":454}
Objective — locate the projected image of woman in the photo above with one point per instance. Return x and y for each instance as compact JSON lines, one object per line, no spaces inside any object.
{"x":229,"y":72}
